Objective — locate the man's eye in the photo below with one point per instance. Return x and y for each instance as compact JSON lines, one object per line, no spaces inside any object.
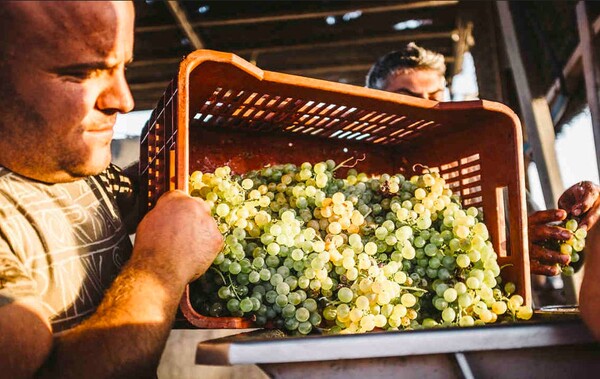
{"x":80,"y":75}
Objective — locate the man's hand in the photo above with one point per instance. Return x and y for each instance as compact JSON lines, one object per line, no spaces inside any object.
{"x":179,"y":236}
{"x":544,"y":260}
{"x":582,"y":200}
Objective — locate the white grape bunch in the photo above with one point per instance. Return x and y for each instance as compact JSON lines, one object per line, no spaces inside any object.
{"x":305,"y":249}
{"x":572,"y":247}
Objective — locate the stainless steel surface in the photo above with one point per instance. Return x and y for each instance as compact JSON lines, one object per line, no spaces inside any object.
{"x":254,"y":349}
{"x":437,"y":366}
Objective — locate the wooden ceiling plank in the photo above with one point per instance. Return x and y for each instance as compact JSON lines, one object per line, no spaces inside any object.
{"x":183,"y":22}
{"x":303,"y":16}
{"x":350,"y":42}
{"x":307,"y":46}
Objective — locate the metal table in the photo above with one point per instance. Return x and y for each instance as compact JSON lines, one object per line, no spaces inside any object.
{"x":547,"y":349}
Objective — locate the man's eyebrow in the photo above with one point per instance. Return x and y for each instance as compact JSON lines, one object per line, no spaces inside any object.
{"x":406,"y":91}
{"x":88,"y":66}
{"x":409,"y":92}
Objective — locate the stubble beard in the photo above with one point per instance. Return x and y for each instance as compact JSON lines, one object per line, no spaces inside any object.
{"x":27,"y":145}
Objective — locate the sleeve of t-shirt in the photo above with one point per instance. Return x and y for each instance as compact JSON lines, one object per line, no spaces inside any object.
{"x":124,"y":189}
{"x":15,"y":283}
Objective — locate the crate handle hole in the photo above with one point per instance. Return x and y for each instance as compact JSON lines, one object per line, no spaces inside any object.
{"x":503,"y":224}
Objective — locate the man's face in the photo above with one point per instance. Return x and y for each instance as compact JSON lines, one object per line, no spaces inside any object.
{"x":426,"y":84}
{"x":65,"y":85}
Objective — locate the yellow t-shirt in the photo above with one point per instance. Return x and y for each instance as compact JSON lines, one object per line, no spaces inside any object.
{"x":63,"y":243}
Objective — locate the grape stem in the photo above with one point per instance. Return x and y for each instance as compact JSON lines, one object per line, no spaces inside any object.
{"x":424,"y":167}
{"x":230,"y":286}
{"x":343,"y":164}
{"x":414,"y":289}
{"x":220,"y":274}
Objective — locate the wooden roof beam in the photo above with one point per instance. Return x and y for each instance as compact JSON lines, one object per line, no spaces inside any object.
{"x":573,"y":68}
{"x":590,"y":71}
{"x":307,"y":46}
{"x":303,"y":16}
{"x":534,"y":111}
{"x":350,"y":42}
{"x":184,"y":24}
{"x":462,"y":40}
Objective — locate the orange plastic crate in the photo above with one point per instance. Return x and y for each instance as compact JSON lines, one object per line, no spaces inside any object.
{"x":221,"y":110}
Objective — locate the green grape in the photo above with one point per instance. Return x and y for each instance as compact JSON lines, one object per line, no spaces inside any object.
{"x":310,"y":304}
{"x":440,"y":304}
{"x":235,"y":268}
{"x":448,"y":314}
{"x":302,"y":314}
{"x":288,"y":311}
{"x":291,"y":324}
{"x":463,"y":261}
{"x":270,"y":296}
{"x":345,"y":294}
{"x":450,"y":295}
{"x":224,"y":293}
{"x":305,"y":327}
{"x":283,"y":288}
{"x":233,"y":305}
{"x":465,"y":300}
{"x":294,"y":298}
{"x":571,"y":225}
{"x":246,"y":305}
{"x":281,"y":300}
{"x":568,"y":270}
{"x":276,"y":279}
{"x":580,"y":234}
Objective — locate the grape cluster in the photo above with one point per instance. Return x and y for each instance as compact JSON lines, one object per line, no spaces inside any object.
{"x":571,"y":247}
{"x":304,"y":249}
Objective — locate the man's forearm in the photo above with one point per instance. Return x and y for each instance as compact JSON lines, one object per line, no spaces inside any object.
{"x":589,"y":298}
{"x":126,"y":335}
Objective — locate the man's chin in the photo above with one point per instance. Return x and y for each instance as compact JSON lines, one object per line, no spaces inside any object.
{"x":90,"y":168}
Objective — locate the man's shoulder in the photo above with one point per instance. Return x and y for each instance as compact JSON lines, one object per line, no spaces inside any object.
{"x":9,"y":179}
{"x":4,"y":173}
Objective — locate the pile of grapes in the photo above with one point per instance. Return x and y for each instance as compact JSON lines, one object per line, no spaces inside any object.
{"x":304,"y":250}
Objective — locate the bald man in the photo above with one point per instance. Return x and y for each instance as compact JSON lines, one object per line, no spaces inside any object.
{"x":76,"y":299}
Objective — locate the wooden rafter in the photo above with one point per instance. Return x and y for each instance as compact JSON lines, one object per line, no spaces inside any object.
{"x":535,"y":113}
{"x":462,"y":38}
{"x":307,"y":46}
{"x":590,"y":71}
{"x":303,"y":16}
{"x":183,"y":22}
{"x":573,"y":68}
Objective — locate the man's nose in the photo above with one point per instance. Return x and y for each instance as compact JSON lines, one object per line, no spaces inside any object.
{"x":117,"y":96}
